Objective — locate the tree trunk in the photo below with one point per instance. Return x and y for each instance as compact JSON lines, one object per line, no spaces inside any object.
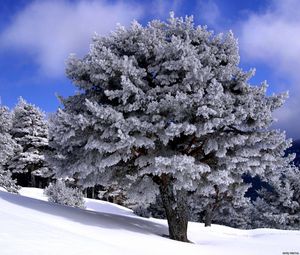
{"x":32,"y":182}
{"x":208,"y":217}
{"x":175,"y":206}
{"x":93,"y":192}
{"x":211,"y":208}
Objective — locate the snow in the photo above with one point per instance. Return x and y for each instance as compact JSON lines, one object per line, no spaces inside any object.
{"x":30,"y":225}
{"x":33,"y":193}
{"x":2,"y":189}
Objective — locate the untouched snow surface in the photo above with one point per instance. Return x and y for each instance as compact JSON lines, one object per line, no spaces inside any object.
{"x":31,"y":226}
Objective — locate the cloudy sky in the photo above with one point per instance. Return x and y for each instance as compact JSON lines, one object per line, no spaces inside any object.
{"x":37,"y":36}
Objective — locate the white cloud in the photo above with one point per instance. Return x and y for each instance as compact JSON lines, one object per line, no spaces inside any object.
{"x":289,"y":117}
{"x":51,"y":30}
{"x":162,"y":8}
{"x":273,"y":38}
{"x":209,"y":13}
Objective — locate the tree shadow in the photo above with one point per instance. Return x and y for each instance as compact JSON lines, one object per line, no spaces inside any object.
{"x":90,"y":218}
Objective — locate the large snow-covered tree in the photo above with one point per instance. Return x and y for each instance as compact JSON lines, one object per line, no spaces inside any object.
{"x":163,"y":109}
{"x":7,"y":149}
{"x":30,"y":132}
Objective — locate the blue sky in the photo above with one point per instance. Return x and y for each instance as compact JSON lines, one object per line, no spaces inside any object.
{"x":36,"y":37}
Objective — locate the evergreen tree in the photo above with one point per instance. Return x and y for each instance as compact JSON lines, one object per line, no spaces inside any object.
{"x":163,"y":109}
{"x":7,"y":149}
{"x":30,"y":131}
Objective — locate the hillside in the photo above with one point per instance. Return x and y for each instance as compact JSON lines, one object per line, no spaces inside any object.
{"x":31,"y":226}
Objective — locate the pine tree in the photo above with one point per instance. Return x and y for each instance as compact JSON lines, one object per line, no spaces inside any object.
{"x":30,"y":131}
{"x":163,"y":109}
{"x":7,"y":149}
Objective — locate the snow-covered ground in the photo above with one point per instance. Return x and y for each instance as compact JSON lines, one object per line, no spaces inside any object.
{"x":30,"y":225}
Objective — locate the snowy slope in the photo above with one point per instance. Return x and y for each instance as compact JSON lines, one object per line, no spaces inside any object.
{"x":31,"y":226}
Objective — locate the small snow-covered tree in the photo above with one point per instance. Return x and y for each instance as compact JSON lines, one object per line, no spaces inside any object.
{"x":162,"y":109}
{"x":7,"y":149}
{"x":7,"y":182}
{"x":59,"y":193}
{"x":30,"y":132}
